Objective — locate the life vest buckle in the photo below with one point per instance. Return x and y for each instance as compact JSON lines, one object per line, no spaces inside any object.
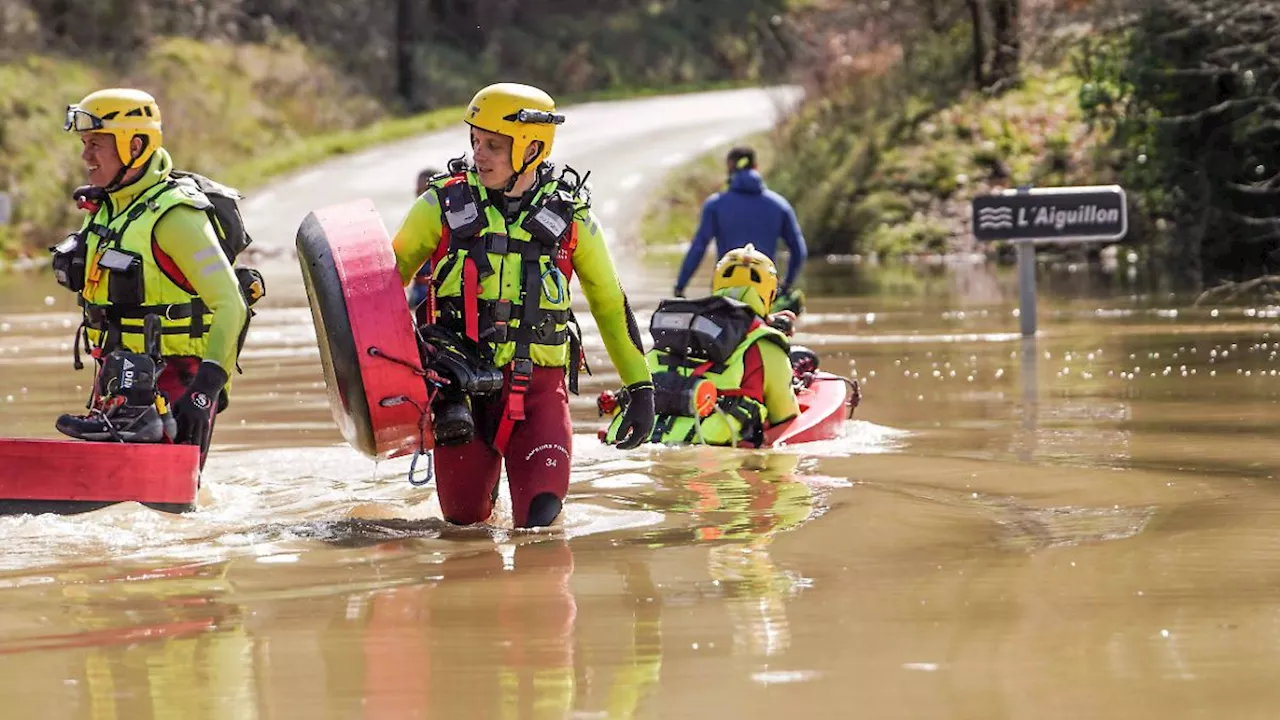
{"x":500,"y":321}
{"x":521,"y":374}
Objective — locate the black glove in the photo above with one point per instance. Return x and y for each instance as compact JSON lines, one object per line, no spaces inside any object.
{"x":194,"y":410}
{"x":678,"y":292}
{"x":637,"y":416}
{"x":783,"y":321}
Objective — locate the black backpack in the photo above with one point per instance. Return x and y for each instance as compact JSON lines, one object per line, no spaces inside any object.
{"x":228,"y":225}
{"x":708,"y":328}
{"x":225,"y":213}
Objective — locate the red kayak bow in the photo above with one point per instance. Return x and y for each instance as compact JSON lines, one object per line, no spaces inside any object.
{"x":71,"y":476}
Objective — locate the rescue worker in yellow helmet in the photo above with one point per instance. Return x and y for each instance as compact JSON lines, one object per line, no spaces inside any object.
{"x":722,"y":372}
{"x":504,"y":234}
{"x":147,"y":248}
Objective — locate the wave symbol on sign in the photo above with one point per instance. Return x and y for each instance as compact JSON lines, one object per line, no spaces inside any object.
{"x":995,"y":217}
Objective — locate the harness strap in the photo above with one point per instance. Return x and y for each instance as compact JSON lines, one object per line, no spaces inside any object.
{"x":513,"y":407}
{"x":662,"y":425}
{"x":749,"y":415}
{"x":111,"y":320}
{"x":198,"y":309}
{"x":673,"y":362}
{"x":175,"y":311}
{"x":135,"y":210}
{"x":81,"y":337}
{"x":522,"y":366}
{"x":577,"y":355}
{"x":691,"y":435}
{"x":495,"y":317}
{"x":470,"y":297}
{"x":734,"y":403}
{"x":477,"y":249}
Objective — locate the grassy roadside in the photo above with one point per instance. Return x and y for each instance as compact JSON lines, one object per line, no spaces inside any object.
{"x":917,"y":199}
{"x":256,"y":171}
{"x":243,"y":114}
{"x":913,"y":197}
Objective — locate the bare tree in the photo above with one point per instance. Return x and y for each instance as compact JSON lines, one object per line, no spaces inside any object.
{"x":1006,"y":41}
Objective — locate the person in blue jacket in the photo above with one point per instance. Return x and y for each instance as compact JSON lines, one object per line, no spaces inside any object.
{"x":746,"y":213}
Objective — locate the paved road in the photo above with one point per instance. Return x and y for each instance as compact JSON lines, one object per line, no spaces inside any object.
{"x":627,"y":145}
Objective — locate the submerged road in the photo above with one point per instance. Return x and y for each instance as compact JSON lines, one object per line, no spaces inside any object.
{"x":1080,"y":525}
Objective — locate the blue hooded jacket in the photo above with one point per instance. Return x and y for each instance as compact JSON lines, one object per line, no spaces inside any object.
{"x":748,"y":212}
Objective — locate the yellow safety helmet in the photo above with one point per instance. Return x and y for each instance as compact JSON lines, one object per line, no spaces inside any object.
{"x":748,"y":275}
{"x":521,"y":112}
{"x":123,"y":113}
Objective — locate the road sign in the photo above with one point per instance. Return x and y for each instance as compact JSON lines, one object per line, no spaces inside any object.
{"x":1063,"y":214}
{"x":1070,"y":214}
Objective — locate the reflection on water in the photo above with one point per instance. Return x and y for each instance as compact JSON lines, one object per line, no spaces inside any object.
{"x":487,"y":633}
{"x":1076,"y":525}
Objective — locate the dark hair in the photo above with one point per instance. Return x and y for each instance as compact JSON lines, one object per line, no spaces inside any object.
{"x":425,"y":175}
{"x":742,"y":157}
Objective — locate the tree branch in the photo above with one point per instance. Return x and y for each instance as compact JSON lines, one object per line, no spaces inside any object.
{"x":1228,"y":291}
{"x":1212,"y":110}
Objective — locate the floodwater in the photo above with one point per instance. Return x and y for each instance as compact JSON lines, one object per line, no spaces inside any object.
{"x":1076,"y":526}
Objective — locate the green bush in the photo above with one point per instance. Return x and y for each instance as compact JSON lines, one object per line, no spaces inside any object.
{"x":919,"y":234}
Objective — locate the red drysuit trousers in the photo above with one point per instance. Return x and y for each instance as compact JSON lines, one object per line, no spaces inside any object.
{"x":538,"y":456}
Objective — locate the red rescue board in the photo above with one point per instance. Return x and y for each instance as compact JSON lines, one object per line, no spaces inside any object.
{"x":364,"y":329}
{"x":68,"y":476}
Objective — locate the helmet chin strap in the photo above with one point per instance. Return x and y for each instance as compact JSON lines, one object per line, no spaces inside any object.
{"x":118,"y":181}
{"x":516,"y":177}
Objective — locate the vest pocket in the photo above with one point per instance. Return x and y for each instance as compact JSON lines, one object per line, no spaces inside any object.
{"x":125,"y":284}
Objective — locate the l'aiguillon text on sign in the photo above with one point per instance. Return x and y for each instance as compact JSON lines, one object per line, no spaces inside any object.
{"x":1095,"y":212}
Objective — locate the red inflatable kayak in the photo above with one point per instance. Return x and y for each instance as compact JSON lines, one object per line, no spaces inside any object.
{"x":365,"y":331}
{"x":825,"y":404}
{"x":72,"y":476}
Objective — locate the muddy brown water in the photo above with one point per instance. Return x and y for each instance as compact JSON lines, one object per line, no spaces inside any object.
{"x":1082,"y":525}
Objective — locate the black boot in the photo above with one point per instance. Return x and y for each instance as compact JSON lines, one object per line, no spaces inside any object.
{"x":452,"y":421}
{"x":126,"y":411}
{"x":123,"y":423}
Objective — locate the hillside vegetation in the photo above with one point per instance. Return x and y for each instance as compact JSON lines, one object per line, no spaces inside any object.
{"x":252,"y":88}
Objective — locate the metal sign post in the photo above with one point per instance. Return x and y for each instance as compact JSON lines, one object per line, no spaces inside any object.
{"x":1028,"y":216}
{"x":6,"y":208}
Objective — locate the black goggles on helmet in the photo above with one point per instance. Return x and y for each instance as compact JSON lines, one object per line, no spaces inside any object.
{"x":540,"y":117}
{"x":81,"y":121}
